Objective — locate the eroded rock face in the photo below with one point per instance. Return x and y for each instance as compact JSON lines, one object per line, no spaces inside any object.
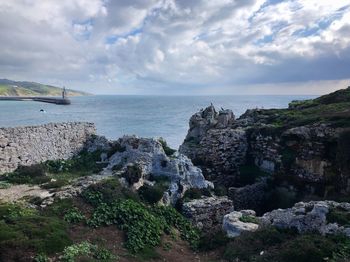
{"x":215,"y":145}
{"x":308,"y":217}
{"x":207,"y":212}
{"x":233,"y":226}
{"x":311,"y":152}
{"x":148,"y":154}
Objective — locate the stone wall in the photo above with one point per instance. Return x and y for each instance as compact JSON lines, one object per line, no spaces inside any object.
{"x":34,"y":144}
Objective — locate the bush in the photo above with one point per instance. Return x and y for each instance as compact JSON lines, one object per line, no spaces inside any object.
{"x":74,"y":216}
{"x":33,"y":175}
{"x":196,"y":193}
{"x":168,"y":151}
{"x":339,"y":216}
{"x":132,"y":174}
{"x":107,"y":191}
{"x":151,"y":194}
{"x":213,"y":241}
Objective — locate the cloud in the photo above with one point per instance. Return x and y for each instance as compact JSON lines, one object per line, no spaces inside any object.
{"x":139,"y":46}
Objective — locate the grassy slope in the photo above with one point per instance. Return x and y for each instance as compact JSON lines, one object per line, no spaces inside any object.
{"x":13,"y":88}
{"x":333,"y":109}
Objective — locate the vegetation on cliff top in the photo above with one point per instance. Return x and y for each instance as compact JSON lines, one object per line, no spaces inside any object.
{"x":18,"y":88}
{"x":333,"y":109}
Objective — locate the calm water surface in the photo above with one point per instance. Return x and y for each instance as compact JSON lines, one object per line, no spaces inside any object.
{"x":147,"y":116}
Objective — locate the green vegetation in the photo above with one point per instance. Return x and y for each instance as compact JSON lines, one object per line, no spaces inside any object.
{"x":333,"y":108}
{"x":27,"y":228}
{"x":74,"y":216}
{"x":151,"y":194}
{"x":339,"y":216}
{"x":87,"y":250}
{"x":17,"y":88}
{"x":168,"y":151}
{"x":196,"y":193}
{"x":249,"y":219}
{"x":270,"y":244}
{"x":132,"y":174}
{"x":55,"y":174}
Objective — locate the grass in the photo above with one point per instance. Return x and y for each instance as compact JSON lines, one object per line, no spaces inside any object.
{"x":26,"y":228}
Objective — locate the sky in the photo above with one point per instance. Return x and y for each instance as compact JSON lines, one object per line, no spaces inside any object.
{"x":178,"y":47}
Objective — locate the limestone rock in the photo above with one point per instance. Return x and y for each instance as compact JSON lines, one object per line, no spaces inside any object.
{"x":149,"y":155}
{"x":207,"y":212}
{"x":233,"y":226}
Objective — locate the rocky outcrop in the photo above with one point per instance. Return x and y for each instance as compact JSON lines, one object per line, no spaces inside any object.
{"x":250,"y":196}
{"x":208,"y":212}
{"x":310,"y":217}
{"x":34,"y":144}
{"x":148,"y":155}
{"x":215,"y":145}
{"x":307,"y":142}
{"x":235,"y":223}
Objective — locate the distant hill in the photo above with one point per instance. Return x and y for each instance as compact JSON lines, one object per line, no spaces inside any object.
{"x":18,"y":88}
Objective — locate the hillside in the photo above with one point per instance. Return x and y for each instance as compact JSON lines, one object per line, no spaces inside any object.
{"x":18,"y":88}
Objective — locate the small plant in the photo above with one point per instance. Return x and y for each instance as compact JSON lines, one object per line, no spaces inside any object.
{"x":4,"y":185}
{"x":74,"y":216}
{"x":41,"y":258}
{"x":132,"y":174}
{"x":249,"y":219}
{"x":151,"y":194}
{"x":76,"y":250}
{"x":168,"y":151}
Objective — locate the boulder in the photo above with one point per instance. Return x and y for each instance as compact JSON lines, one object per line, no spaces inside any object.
{"x":233,"y":226}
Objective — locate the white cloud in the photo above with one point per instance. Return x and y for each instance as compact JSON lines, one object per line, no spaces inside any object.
{"x":139,"y":45}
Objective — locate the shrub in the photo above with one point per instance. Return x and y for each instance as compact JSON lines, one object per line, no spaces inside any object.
{"x":74,"y":216}
{"x":55,"y":184}
{"x":151,"y":194}
{"x":116,"y":147}
{"x":339,"y":216}
{"x":4,"y":185}
{"x":168,"y":151}
{"x":220,"y":190}
{"x":41,"y":258}
{"x":70,"y":253}
{"x":107,"y":191}
{"x":211,"y":241}
{"x":34,"y":174}
{"x":196,"y":193}
{"x":132,"y":174}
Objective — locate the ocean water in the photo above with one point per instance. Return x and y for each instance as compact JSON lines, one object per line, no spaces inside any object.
{"x":146,"y":116}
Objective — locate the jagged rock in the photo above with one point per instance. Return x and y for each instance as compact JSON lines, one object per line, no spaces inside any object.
{"x":148,"y":154}
{"x":207,"y":212}
{"x":214,"y":145}
{"x":307,"y":217}
{"x":233,"y":226}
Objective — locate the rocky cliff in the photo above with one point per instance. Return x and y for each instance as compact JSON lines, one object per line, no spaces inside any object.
{"x":307,"y":143}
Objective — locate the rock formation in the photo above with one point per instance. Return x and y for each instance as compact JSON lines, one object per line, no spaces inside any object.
{"x":309,"y":142}
{"x":149,"y":156}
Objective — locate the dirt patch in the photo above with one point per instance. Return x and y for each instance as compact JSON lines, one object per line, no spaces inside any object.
{"x":16,"y":192}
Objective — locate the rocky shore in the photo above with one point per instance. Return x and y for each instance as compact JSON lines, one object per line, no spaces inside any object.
{"x":238,"y":189}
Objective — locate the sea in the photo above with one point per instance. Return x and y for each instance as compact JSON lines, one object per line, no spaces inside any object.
{"x":144,"y":116}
